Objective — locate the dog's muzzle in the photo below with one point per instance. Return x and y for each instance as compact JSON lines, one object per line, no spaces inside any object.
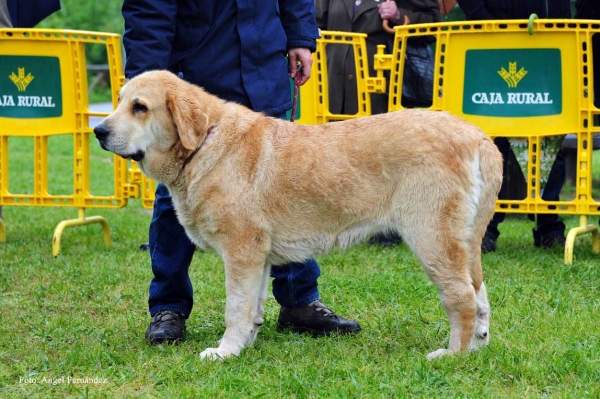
{"x":102,"y":134}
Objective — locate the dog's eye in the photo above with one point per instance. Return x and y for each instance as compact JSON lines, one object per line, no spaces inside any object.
{"x":137,"y":107}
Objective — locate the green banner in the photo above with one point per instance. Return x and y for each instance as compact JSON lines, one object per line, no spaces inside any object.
{"x":30,"y":87}
{"x":513,"y":82}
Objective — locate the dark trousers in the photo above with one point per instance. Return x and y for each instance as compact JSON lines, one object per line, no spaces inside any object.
{"x":547,"y":225}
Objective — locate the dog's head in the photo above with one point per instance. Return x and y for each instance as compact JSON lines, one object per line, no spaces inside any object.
{"x":157,"y":123}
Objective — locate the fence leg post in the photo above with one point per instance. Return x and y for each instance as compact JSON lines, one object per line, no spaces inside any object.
{"x":2,"y":231}
{"x":80,"y":221}
{"x":574,"y":232}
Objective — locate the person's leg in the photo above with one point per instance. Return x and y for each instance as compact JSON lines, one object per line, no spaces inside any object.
{"x":171,"y":251}
{"x":596,"y":58}
{"x":295,"y":284}
{"x":386,"y":239}
{"x":550,"y":230}
{"x":295,"y":288}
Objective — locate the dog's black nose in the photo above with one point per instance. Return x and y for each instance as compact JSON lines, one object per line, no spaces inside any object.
{"x":101,"y":132}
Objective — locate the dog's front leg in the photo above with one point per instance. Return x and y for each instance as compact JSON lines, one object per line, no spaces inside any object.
{"x":245,"y":286}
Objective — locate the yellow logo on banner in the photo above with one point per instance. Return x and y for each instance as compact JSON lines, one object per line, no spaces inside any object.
{"x":512,"y":77}
{"x":21,"y":81}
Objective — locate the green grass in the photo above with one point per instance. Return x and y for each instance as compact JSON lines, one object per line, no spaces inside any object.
{"x":83,"y":315}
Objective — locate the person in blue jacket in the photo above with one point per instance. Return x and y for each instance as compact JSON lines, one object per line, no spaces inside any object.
{"x":549,"y":230}
{"x":27,"y":14}
{"x":243,"y":51}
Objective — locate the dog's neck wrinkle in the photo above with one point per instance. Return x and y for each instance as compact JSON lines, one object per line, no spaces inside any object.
{"x":187,"y":160}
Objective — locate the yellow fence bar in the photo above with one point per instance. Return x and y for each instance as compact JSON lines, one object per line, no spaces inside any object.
{"x":365,"y":83}
{"x":520,"y":79}
{"x":44,"y":95}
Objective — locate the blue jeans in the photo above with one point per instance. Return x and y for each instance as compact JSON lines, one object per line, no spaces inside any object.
{"x":548,"y":225}
{"x":171,"y":252}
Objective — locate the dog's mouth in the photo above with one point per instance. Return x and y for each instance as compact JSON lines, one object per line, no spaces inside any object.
{"x":137,"y":156}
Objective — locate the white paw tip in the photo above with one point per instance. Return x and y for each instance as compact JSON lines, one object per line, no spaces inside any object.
{"x":436,"y":354}
{"x":212,"y":354}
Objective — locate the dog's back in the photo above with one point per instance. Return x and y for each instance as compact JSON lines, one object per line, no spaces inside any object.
{"x":338,"y":183}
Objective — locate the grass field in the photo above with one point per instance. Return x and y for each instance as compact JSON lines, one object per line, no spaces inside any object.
{"x":73,"y":326}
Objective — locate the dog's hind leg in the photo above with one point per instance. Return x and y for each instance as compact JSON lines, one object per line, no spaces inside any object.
{"x":444,"y":254}
{"x":481,"y":335}
{"x":484,"y":204}
{"x":458,"y":299}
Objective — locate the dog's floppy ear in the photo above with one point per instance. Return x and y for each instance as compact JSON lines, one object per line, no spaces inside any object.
{"x":191,"y":124}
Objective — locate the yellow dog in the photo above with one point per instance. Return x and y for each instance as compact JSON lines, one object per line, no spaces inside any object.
{"x":262,"y":191}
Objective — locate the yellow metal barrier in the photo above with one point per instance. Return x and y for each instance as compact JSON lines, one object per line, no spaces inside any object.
{"x":519,"y":79}
{"x":315,"y":93}
{"x":44,"y":94}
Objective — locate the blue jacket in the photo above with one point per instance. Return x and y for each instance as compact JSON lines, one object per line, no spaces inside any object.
{"x":514,"y":9}
{"x":27,"y":14}
{"x":235,"y":49}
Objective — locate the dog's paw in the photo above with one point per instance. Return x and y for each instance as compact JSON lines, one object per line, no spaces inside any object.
{"x":439,"y":353}
{"x":480,"y":338}
{"x":215,"y":354}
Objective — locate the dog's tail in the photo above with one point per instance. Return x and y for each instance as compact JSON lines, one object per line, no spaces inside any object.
{"x":490,"y":161}
{"x":487,"y":176}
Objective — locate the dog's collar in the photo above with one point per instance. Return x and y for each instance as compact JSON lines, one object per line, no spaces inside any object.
{"x":189,"y":158}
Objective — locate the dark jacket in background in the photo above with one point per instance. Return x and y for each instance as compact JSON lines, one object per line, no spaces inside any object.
{"x":515,"y":9}
{"x":590,"y":9}
{"x":338,"y":15}
{"x":587,"y":9}
{"x":225,"y":46}
{"x":28,"y":13}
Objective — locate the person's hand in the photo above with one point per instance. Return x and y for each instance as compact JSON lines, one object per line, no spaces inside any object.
{"x":303,"y":57}
{"x":389,"y":10}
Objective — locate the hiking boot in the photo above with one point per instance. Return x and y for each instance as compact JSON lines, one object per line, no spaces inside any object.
{"x":315,"y":318}
{"x":488,"y":244}
{"x":166,"y":327}
{"x":548,"y":242}
{"x":385,"y":239}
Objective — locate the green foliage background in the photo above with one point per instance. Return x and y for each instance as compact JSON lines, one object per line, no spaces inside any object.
{"x":99,"y":16}
{"x":96,"y":16}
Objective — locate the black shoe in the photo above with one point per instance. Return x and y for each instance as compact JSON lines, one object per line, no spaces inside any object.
{"x":548,"y":242}
{"x":315,"y":318}
{"x":385,"y":239}
{"x":166,"y":327}
{"x":488,"y":244}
